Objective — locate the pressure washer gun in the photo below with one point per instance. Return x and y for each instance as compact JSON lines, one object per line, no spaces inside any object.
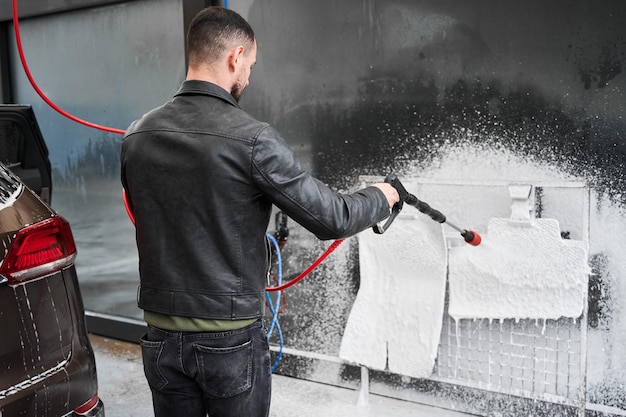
{"x":469,"y":236}
{"x":282,"y":231}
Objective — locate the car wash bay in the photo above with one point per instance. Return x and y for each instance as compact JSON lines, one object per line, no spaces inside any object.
{"x":461,"y":99}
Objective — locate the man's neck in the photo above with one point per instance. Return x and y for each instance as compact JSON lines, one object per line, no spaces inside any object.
{"x":208,"y":76}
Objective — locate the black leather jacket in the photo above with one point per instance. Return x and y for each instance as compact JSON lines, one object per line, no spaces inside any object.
{"x":201,"y":176}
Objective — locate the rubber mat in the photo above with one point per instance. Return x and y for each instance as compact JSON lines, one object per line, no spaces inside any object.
{"x":395,"y":322}
{"x":520,"y":270}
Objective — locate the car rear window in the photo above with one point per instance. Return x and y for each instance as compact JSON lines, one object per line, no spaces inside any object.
{"x":12,"y":138}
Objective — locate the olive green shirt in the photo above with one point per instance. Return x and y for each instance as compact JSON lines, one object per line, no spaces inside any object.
{"x":193,"y":324}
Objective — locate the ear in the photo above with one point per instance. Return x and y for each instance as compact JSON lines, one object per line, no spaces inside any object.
{"x":235,"y":57}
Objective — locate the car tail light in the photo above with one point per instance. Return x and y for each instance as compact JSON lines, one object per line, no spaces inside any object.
{"x":91,"y":407}
{"x":39,"y":250}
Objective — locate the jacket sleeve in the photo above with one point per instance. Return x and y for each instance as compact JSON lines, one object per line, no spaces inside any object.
{"x":324,"y":212}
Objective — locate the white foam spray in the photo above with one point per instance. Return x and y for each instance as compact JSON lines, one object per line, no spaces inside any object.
{"x":606,"y":359}
{"x":607,"y":237}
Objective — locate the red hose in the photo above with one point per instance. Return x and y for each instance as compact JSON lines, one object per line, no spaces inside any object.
{"x":18,"y":40}
{"x":306,"y":272}
{"x":129,"y":210}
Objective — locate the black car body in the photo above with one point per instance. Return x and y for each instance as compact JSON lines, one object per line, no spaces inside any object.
{"x":47,"y":364}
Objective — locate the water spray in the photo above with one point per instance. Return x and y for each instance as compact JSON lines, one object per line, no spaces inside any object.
{"x":469,"y":236}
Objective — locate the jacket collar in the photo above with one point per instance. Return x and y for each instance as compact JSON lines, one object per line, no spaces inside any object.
{"x":195,"y":87}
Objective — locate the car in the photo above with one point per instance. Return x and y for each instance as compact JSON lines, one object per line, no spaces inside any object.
{"x":47,"y":364}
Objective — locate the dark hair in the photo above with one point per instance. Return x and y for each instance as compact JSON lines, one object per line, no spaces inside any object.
{"x":212,"y":31}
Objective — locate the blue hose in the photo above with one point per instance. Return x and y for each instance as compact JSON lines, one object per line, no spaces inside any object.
{"x":273,"y":309}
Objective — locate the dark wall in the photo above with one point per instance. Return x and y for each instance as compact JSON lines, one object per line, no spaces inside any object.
{"x":372,"y":87}
{"x":369,"y":85}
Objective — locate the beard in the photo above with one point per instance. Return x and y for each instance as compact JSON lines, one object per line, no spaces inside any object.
{"x":236,"y":90}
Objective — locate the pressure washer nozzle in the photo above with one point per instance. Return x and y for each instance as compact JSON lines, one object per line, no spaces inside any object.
{"x":471,"y":237}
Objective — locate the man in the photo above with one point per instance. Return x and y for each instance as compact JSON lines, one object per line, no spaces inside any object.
{"x":201,"y":177}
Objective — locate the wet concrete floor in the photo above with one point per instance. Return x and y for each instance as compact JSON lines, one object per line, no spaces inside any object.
{"x":125,"y":392}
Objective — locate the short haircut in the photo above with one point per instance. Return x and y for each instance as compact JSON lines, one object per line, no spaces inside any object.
{"x":213,"y":31}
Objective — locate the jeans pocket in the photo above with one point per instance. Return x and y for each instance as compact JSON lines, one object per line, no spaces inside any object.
{"x":224,"y":372}
{"x":151,"y":355}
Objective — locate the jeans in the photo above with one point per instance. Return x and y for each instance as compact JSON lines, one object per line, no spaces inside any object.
{"x":222,"y":374}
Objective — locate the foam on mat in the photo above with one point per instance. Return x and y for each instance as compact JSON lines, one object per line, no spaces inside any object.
{"x":395,"y":322}
{"x":522,"y":269}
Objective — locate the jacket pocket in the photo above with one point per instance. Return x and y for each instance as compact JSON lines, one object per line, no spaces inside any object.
{"x":151,"y":354}
{"x":224,"y":372}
